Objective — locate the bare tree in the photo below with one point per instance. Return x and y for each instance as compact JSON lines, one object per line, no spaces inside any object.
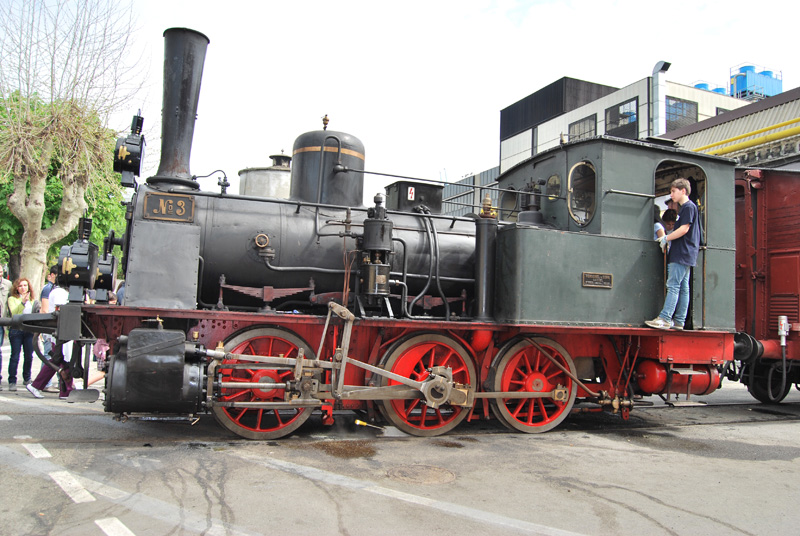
{"x":65,"y":69}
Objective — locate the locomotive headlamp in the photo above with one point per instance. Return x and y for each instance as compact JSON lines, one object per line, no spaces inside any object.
{"x":78,"y":263}
{"x":129,"y":152}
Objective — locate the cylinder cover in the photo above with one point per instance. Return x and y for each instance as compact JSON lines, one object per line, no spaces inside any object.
{"x":150,"y":374}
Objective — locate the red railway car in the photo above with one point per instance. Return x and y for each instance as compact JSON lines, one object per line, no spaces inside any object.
{"x":768,"y":281}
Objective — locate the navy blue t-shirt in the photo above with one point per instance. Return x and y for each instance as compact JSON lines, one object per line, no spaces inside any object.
{"x":684,"y":249}
{"x":46,"y":290}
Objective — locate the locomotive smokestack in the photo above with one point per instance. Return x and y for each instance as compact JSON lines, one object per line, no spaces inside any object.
{"x":184,"y":55}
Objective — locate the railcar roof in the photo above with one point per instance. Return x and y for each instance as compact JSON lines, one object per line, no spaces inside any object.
{"x":655,"y":144}
{"x":771,"y":170}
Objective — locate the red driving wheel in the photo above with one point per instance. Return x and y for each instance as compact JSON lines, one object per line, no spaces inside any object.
{"x":259,"y":423}
{"x":521,"y":366}
{"x":411,"y":357}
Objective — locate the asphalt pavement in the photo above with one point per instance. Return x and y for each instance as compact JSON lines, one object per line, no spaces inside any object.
{"x":730,"y":467}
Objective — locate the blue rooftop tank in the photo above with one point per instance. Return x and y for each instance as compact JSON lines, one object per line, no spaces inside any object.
{"x":751,"y":85}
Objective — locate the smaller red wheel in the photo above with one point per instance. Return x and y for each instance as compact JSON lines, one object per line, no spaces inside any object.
{"x":520,"y":366}
{"x":412,"y":357}
{"x":259,"y":423}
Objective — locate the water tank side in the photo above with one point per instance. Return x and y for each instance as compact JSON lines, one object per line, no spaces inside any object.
{"x":265,"y":182}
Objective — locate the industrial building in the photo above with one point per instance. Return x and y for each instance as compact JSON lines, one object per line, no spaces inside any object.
{"x":570,"y":109}
{"x":763,"y":134}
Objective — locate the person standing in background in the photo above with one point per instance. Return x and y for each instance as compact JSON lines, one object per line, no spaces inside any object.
{"x":658,"y":225}
{"x":121,"y":293}
{"x":669,"y":218}
{"x":5,"y":289}
{"x":20,"y":302}
{"x":47,"y":340}
{"x":48,"y":286}
{"x":44,"y":297}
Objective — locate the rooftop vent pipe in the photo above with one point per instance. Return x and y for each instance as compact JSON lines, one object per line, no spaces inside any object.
{"x":659,"y":98}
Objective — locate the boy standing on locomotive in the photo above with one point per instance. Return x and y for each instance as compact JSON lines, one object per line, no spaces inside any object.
{"x":685,"y":244}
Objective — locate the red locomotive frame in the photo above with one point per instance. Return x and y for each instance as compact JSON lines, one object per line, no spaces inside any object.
{"x":488,"y":357}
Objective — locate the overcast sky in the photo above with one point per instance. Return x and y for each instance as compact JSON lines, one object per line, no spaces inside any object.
{"x":422,"y":83}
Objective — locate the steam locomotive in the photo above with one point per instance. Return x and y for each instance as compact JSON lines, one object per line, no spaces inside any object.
{"x":263,"y":311}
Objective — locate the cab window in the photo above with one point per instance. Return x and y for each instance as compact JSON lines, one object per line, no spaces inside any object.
{"x":581,"y":192}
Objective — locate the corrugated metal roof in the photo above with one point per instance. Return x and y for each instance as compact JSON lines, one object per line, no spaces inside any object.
{"x":760,"y":116}
{"x":743,"y":125}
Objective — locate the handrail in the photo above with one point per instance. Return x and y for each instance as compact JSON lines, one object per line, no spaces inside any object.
{"x":635,"y":194}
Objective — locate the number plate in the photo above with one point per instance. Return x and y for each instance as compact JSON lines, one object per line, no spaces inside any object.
{"x":169,"y":207}
{"x":594,"y":280}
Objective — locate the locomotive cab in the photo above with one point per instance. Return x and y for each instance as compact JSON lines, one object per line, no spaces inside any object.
{"x":593,"y":260}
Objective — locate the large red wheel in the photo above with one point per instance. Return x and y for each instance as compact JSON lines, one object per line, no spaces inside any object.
{"x":260,"y":423}
{"x":412,"y":357}
{"x":520,"y":366}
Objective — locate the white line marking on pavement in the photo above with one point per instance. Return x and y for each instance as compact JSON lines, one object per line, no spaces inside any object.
{"x":113,"y":527}
{"x":14,"y":462}
{"x":22,"y":437}
{"x":36,"y":450}
{"x":5,"y":417}
{"x":155,"y":509}
{"x":71,"y":487}
{"x":320,"y":475}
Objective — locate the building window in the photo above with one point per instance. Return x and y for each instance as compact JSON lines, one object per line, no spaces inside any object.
{"x":621,"y":120}
{"x":585,"y":128}
{"x":680,"y":113}
{"x":721,"y":111}
{"x":458,"y":205}
{"x":459,"y":197}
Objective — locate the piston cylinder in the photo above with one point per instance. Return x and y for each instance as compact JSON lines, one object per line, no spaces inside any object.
{"x":150,"y":374}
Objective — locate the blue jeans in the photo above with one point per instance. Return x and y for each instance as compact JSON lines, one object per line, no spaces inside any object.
{"x":676,"y":304}
{"x":2,"y":341}
{"x":20,"y":340}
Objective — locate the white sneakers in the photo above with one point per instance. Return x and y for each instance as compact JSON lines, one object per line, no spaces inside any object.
{"x":34,"y":391}
{"x":659,"y":323}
